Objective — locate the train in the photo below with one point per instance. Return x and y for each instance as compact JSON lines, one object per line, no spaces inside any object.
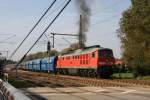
{"x":93,"y":61}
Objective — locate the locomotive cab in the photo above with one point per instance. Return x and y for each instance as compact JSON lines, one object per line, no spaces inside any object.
{"x":106,"y":61}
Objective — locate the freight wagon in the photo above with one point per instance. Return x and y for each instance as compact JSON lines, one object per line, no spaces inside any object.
{"x":43,"y":65}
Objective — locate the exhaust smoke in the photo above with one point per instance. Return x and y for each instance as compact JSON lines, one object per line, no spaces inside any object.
{"x":84,"y":10}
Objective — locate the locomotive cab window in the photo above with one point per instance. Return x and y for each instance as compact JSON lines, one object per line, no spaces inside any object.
{"x":80,"y":56}
{"x":86,"y":56}
{"x":93,"y":55}
{"x":105,"y":53}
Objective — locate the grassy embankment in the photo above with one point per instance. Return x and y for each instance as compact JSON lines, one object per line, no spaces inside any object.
{"x":19,"y":83}
{"x":129,"y":76}
{"x":123,"y":76}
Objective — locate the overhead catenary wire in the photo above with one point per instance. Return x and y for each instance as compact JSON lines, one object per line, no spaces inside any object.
{"x":108,"y":7}
{"x":106,"y":20}
{"x":33,"y":28}
{"x":8,"y":38}
{"x":55,"y":9}
{"x":51,"y":14}
{"x":43,"y":33}
{"x":11,"y":43}
{"x":66,"y":40}
{"x":46,"y":36}
{"x":6,"y":34}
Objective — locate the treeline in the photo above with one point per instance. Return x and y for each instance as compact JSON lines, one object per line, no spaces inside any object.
{"x":38,"y":55}
{"x":134,"y":33}
{"x":10,"y":62}
{"x":41,"y":55}
{"x":6,"y":61}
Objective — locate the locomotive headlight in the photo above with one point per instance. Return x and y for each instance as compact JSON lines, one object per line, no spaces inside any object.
{"x":111,"y":63}
{"x":102,"y":63}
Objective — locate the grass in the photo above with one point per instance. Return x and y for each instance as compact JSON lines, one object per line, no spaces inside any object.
{"x":17,"y":83}
{"x":129,"y":76}
{"x":123,"y":76}
{"x":144,"y":77}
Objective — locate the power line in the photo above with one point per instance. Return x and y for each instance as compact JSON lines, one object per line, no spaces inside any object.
{"x":55,"y":9}
{"x":51,"y":14}
{"x":106,"y":20}
{"x":7,"y":34}
{"x":61,"y":44}
{"x":65,"y":34}
{"x":11,"y":43}
{"x":42,"y":33}
{"x":46,"y":36}
{"x":108,"y":7}
{"x":61,"y":34}
{"x":66,"y":40}
{"x":7,"y":38}
{"x":33,"y":28}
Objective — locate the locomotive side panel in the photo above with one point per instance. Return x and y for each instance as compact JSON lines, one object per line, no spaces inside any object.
{"x":78,"y":63}
{"x":95,"y":62}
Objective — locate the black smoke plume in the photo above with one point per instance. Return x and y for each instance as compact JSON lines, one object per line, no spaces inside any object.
{"x":84,"y":10}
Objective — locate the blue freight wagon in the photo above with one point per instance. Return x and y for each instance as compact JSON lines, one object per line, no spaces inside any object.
{"x":48,"y":64}
{"x":27,"y":65}
{"x":36,"y":64}
{"x":30,"y":65}
{"x":52,"y":64}
{"x":44,"y":65}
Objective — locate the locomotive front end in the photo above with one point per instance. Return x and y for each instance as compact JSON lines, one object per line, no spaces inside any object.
{"x":106,"y":62}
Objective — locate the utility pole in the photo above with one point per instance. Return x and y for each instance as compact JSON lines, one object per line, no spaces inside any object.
{"x":81,"y":42}
{"x":48,"y":51}
{"x":53,"y":38}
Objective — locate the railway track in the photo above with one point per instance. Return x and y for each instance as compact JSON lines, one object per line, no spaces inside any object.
{"x":113,"y":82}
{"x":46,"y":80}
{"x":69,"y":81}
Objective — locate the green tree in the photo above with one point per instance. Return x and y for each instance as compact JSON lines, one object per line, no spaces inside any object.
{"x":134,"y":33}
{"x":39,"y":55}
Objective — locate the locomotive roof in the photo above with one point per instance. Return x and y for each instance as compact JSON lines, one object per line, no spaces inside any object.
{"x":84,"y":50}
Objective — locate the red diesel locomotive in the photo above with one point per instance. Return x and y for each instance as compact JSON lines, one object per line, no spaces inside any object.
{"x":94,"y":61}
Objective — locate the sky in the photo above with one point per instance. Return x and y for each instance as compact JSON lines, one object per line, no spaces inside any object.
{"x":17,"y":17}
